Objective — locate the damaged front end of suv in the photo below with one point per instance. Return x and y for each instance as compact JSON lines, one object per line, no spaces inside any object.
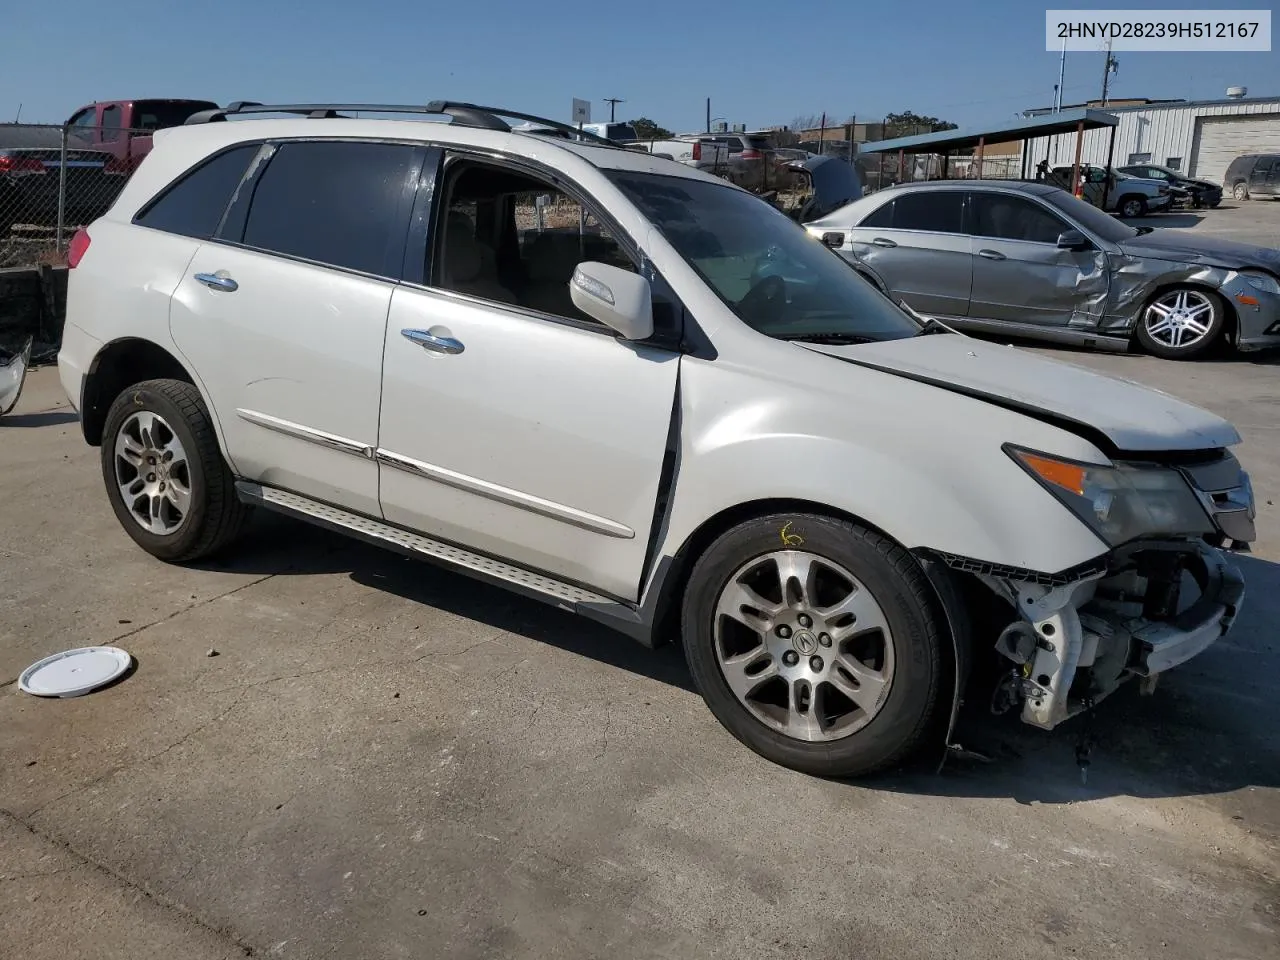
{"x":1163,"y":593}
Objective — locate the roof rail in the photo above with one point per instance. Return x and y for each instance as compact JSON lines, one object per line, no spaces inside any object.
{"x":462,"y":114}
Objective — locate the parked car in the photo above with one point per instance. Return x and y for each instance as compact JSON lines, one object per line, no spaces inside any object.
{"x":343,"y":320}
{"x":1201,"y":193}
{"x":1029,"y":259}
{"x":710,"y":157}
{"x":30,"y":166}
{"x":1117,"y":192}
{"x":1254,"y":175}
{"x":751,"y":161}
{"x":13,"y":374}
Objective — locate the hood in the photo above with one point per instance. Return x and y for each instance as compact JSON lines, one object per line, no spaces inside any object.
{"x":835,"y":183}
{"x":1210,"y":251}
{"x":21,"y":137}
{"x":1119,"y":414}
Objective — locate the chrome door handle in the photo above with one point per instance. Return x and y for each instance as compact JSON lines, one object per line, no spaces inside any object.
{"x":882,"y":242}
{"x":433,"y":343}
{"x":992,"y":254}
{"x":215,"y":282}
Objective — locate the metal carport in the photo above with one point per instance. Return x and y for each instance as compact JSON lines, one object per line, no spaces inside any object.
{"x":945,"y":141}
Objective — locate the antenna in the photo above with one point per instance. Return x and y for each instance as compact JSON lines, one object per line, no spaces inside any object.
{"x":18,"y":115}
{"x":613,"y":103}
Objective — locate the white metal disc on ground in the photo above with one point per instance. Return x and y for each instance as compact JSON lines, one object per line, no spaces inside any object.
{"x":73,"y":673}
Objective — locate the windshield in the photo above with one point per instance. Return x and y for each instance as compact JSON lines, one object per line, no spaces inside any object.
{"x":772,"y":274}
{"x":1100,"y":224}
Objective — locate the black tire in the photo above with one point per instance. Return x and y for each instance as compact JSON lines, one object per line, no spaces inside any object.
{"x":215,"y":515}
{"x":1240,"y":190}
{"x":1132,"y":206}
{"x":911,"y":707}
{"x":1191,"y":351}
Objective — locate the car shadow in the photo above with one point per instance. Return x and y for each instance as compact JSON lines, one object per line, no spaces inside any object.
{"x":278,"y":545}
{"x":1212,"y":726}
{"x":51,"y":418}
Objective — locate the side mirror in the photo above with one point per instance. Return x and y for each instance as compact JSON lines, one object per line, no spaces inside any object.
{"x":1072,"y":240}
{"x":619,"y":299}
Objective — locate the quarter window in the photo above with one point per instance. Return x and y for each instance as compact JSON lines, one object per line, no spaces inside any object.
{"x":193,"y":206}
{"x":933,"y":211}
{"x":1006,"y":217}
{"x":337,"y":203}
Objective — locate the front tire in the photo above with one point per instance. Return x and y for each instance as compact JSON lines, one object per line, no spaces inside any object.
{"x":816,"y":642}
{"x":1181,"y":323}
{"x":166,"y":479}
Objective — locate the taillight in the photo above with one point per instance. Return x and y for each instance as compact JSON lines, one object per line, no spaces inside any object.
{"x":751,"y":155}
{"x":78,"y":247}
{"x":11,"y":163}
{"x":697,"y":151}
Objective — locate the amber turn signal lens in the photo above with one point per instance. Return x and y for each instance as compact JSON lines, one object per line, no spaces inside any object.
{"x":1069,"y":476}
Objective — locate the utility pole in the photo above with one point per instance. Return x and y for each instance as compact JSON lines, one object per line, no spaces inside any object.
{"x":1111,"y":66}
{"x":612,"y":102}
{"x":1060,"y":89}
{"x":708,"y":114}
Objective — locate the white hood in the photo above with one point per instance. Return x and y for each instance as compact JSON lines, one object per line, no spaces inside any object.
{"x":1131,"y":416}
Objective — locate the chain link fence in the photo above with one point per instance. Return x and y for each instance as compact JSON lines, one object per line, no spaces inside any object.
{"x":53,"y":180}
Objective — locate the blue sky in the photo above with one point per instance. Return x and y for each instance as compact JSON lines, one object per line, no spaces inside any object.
{"x":760,"y":62}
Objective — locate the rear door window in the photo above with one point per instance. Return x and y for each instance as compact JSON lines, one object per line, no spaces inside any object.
{"x":932,"y":211}
{"x":193,"y":206}
{"x":340,"y":203}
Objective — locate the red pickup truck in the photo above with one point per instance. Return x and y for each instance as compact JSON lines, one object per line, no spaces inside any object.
{"x":123,"y":127}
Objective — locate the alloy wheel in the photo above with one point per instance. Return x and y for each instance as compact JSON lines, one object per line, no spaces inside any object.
{"x":1179,"y":318}
{"x":803,"y":645}
{"x":153,"y":473}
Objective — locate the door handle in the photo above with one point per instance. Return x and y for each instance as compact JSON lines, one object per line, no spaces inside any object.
{"x":428,"y":341}
{"x":215,"y":282}
{"x":992,"y":254}
{"x":883,"y":242}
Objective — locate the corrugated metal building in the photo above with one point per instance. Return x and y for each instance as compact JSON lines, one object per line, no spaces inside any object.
{"x":1198,"y":137}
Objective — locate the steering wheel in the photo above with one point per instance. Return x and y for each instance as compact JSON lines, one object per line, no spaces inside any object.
{"x":765,"y":300}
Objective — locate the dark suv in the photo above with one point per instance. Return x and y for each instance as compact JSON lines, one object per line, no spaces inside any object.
{"x":1202,"y":193}
{"x":1253,"y":175}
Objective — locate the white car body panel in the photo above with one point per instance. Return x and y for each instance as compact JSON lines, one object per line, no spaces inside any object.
{"x":541,"y":442}
{"x":296,"y":350}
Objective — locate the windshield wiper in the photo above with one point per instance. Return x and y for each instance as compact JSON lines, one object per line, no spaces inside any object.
{"x":928,"y":325}
{"x":835,"y":339}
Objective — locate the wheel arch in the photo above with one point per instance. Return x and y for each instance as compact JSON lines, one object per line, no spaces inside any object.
{"x":115,"y":367}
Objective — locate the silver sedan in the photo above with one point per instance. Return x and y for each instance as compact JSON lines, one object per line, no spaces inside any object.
{"x":1012,"y":257}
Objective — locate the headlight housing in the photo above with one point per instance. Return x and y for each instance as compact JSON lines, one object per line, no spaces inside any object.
{"x":1262,"y":281}
{"x":1121,"y":501}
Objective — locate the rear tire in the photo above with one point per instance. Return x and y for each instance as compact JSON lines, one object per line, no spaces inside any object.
{"x":828,"y":694}
{"x":1240,"y":191}
{"x":166,"y":479}
{"x":1133,"y":206}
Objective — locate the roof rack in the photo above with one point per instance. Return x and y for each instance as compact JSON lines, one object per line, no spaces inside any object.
{"x":462,"y":114}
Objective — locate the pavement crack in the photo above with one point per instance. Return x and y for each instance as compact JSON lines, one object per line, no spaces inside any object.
{"x":163,"y":902}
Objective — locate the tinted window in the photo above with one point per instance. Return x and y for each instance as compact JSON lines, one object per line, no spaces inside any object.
{"x":937,"y":211}
{"x":160,"y":114}
{"x":111,"y":122}
{"x":334,"y":203}
{"x":1006,"y":217}
{"x":193,"y":206}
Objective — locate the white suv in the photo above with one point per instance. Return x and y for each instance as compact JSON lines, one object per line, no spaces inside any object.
{"x":640,"y":393}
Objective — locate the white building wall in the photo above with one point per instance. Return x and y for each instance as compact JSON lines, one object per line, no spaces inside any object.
{"x":1162,"y":131}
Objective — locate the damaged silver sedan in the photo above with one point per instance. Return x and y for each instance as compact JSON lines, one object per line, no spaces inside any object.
{"x":1032,"y":260}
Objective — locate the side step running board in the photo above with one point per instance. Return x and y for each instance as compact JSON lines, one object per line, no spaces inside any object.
{"x":539,"y":586}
